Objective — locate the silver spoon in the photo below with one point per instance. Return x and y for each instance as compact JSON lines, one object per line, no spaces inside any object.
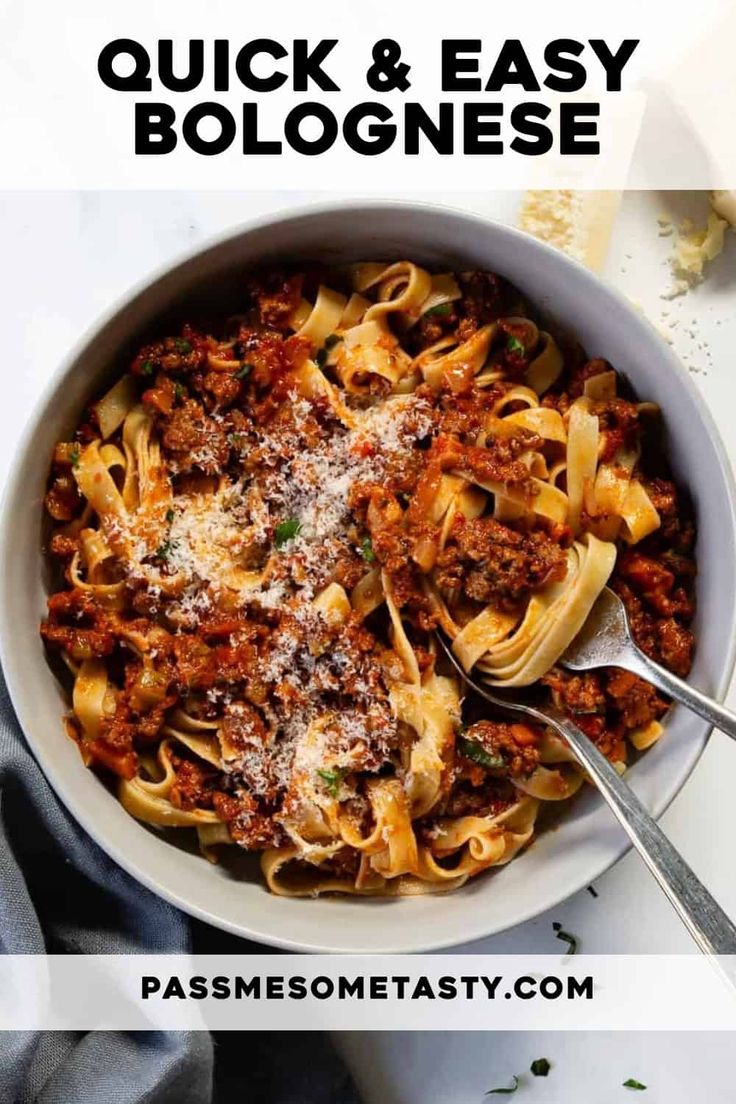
{"x":704,"y":918}
{"x":605,"y":641}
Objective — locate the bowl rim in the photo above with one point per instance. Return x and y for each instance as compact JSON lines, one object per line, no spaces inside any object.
{"x":127,"y":299}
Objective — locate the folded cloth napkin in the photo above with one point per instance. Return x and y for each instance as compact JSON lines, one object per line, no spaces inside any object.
{"x":61,"y":894}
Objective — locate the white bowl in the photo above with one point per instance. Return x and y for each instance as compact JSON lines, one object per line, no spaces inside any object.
{"x":587,"y":840}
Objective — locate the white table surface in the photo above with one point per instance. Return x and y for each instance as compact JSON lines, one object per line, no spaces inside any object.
{"x":68,"y":256}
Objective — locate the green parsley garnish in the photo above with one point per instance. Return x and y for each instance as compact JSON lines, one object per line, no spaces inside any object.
{"x":566,"y":938}
{"x":505,"y":1092}
{"x":235,"y":439}
{"x":321,"y":357}
{"x":74,"y":455}
{"x":244,"y":371}
{"x":162,"y":552}
{"x":182,"y":345}
{"x":632,"y":1083}
{"x":443,"y":309}
{"x":178,"y":391}
{"x":478,"y":754}
{"x":332,"y":780}
{"x":540,"y":1067}
{"x":331,"y":340}
{"x":147,"y":368}
{"x":169,"y":515}
{"x":514,"y":345}
{"x":286,"y":531}
{"x":366,"y":550}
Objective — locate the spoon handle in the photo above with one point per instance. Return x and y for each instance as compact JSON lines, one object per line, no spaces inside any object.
{"x":681,"y":691}
{"x":701,"y":914}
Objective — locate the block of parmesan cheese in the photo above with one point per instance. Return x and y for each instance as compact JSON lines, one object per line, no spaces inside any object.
{"x":579,"y":223}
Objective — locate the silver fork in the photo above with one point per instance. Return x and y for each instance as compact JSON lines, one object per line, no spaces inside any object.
{"x":605,"y":641}
{"x":704,"y":918}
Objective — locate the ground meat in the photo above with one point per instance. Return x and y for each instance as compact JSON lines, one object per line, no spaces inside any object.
{"x":120,"y":759}
{"x":645,"y":584}
{"x":243,"y":727}
{"x":64,"y":546}
{"x":497,"y":462}
{"x":179,"y":355}
{"x":655,"y":582}
{"x":277,"y":297}
{"x":196,"y":668}
{"x":478,"y":794}
{"x":635,"y":700}
{"x":63,"y":500}
{"x":577,"y":693}
{"x":248,"y":825}
{"x":646,"y":575}
{"x":77,"y":624}
{"x":484,"y":300}
{"x":495,"y":564}
{"x":618,"y":420}
{"x":350,"y":568}
{"x":194,"y":785}
{"x":515,"y":744}
{"x":195,"y":440}
{"x":271,"y":361}
{"x":676,"y":645}
{"x":221,"y":389}
{"x":463,"y":416}
{"x":412,"y":600}
{"x":663,"y":494}
{"x":161,"y":397}
{"x":676,"y":532}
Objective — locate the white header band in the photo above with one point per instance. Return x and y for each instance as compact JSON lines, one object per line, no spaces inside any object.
{"x":670,"y":125}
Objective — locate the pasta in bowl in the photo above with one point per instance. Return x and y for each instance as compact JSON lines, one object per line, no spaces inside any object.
{"x":263,"y":521}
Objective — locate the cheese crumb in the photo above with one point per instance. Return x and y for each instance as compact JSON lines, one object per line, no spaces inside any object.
{"x":695,"y":246}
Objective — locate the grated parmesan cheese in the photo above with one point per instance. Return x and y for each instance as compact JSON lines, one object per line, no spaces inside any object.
{"x":217,"y":550}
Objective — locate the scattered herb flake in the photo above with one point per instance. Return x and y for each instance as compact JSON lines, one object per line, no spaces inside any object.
{"x":74,"y":455}
{"x":169,"y":515}
{"x":331,"y":340}
{"x":244,"y":371}
{"x":478,"y":754}
{"x":162,"y":552}
{"x":286,"y":531}
{"x":566,"y":938}
{"x":178,"y":391}
{"x":505,"y":1092}
{"x":632,"y":1083}
{"x":514,"y":345}
{"x":236,"y":439}
{"x":332,"y":780}
{"x":147,"y":368}
{"x":366,"y":550}
{"x":182,"y":345}
{"x":442,"y":309}
{"x":540,"y":1067}
{"x":592,"y":891}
